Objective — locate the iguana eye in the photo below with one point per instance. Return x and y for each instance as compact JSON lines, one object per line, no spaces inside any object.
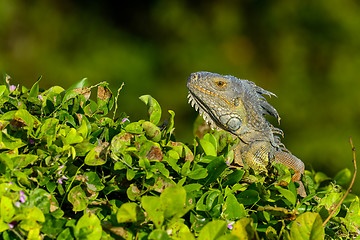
{"x":220,"y":83}
{"x":194,"y":76}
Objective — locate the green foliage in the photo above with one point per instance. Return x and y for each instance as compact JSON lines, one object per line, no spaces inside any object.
{"x":68,"y":171}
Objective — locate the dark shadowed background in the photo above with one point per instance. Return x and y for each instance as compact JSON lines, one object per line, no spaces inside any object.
{"x":306,"y":52}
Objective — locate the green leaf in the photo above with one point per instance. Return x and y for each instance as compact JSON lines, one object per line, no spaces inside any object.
{"x":53,"y":91}
{"x":129,"y":212}
{"x":152,"y":132}
{"x":32,"y":228}
{"x":8,"y":162}
{"x":77,"y":198}
{"x":211,"y":138}
{"x":248,"y":197}
{"x":289,"y":195}
{"x":83,"y":148}
{"x":210,"y":200}
{"x":127,"y":159}
{"x":7,"y":209}
{"x":93,"y":181}
{"x":88,"y":227}
{"x":215,"y":168}
{"x":3,"y":226}
{"x":228,"y":237}
{"x":154,"y":108}
{"x":93,"y":157}
{"x":158,"y":234}
{"x":3,"y":90}
{"x":65,"y":235}
{"x":208,"y":147}
{"x":232,"y":208}
{"x":271,"y":233}
{"x":244,"y":229}
{"x":119,"y":143}
{"x":185,"y":169}
{"x":41,"y":199}
{"x":84,"y":128}
{"x":73,"y":137}
{"x":23,"y":160}
{"x":201,"y":204}
{"x":162,"y":169}
{"x":34,"y":91}
{"x":330,"y":200}
{"x":134,"y":127}
{"x":82,"y":83}
{"x":343,"y":177}
{"x":91,"y":108}
{"x":170,"y":126}
{"x":284,"y":173}
{"x":35,"y":214}
{"x":233,"y":177}
{"x":307,"y":226}
{"x":192,"y":187}
{"x":207,"y":200}
{"x":173,"y":200}
{"x":178,"y":230}
{"x":154,"y":209}
{"x":26,"y":117}
{"x":320,"y":177}
{"x":173,"y":163}
{"x":52,"y":227}
{"x":173,"y":154}
{"x":133,"y":192}
{"x":130,"y":174}
{"x":352,"y":218}
{"x":9,"y":142}
{"x":198,"y":173}
{"x":48,"y":129}
{"x":213,"y":230}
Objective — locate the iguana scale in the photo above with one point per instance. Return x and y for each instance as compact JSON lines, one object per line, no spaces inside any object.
{"x":238,"y":106}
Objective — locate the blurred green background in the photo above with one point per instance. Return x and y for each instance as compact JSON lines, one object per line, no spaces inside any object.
{"x":306,"y":52}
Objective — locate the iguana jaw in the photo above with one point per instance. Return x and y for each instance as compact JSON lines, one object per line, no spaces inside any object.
{"x":203,"y":110}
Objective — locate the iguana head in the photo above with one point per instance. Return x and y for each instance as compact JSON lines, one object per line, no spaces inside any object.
{"x":230,"y":103}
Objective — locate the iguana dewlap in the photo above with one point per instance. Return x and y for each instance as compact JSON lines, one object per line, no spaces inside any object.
{"x":238,"y":106}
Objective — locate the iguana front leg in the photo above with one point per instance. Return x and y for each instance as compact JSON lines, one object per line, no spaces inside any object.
{"x":258,"y":155}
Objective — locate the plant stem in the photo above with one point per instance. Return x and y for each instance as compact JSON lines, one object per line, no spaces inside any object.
{"x":351,"y":184}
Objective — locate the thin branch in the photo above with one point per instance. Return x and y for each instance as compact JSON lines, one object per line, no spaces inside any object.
{"x":351,"y":184}
{"x":116,"y":99}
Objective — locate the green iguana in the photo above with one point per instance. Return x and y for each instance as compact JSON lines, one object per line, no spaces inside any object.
{"x":238,"y":106}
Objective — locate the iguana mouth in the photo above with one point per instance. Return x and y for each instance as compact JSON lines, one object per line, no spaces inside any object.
{"x":203,"y":110}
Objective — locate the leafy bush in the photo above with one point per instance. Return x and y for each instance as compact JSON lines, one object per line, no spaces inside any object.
{"x":68,"y":170}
